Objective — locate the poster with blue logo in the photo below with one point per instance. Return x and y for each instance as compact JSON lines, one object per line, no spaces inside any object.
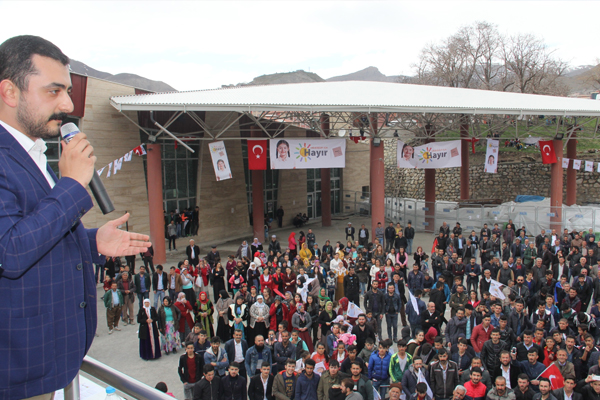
{"x":307,"y":153}
{"x":429,"y":156}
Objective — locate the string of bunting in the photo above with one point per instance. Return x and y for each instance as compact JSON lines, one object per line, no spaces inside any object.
{"x":116,"y":165}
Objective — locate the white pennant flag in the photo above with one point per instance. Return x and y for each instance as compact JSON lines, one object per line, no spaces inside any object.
{"x":495,"y":290}
{"x":109,"y":170}
{"x":101,"y":171}
{"x":421,"y":378}
{"x":589,"y":166}
{"x":577,"y":164}
{"x":565,"y":162}
{"x":127,"y":157}
{"x":414,"y":302}
{"x":353,"y":310}
{"x":598,"y":167}
{"x":117,"y":165}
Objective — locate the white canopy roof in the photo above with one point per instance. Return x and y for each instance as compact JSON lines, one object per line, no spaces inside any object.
{"x":358,"y":96}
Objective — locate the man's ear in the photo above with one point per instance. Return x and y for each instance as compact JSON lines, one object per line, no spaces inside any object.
{"x":9,"y":93}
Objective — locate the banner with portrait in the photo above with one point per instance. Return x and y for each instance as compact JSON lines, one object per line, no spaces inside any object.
{"x":307,"y":153}
{"x":491,"y":156}
{"x":220,"y":161}
{"x":429,"y":156}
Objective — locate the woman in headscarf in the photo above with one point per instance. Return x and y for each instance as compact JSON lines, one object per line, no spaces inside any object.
{"x":253,"y":275}
{"x":326,"y":318}
{"x":301,"y":239}
{"x":266,"y":280}
{"x":148,"y":332}
{"x":168,"y":320}
{"x":323,"y":299}
{"x":229,"y":268}
{"x":305,"y":254}
{"x":302,"y":322}
{"x":278,"y":312}
{"x":256,"y":246}
{"x":289,"y":280}
{"x":218,"y":280}
{"x":277,"y":281}
{"x":312,"y":308}
{"x":259,"y":319}
{"x":340,"y":272}
{"x":413,"y":344}
{"x":238,"y":316}
{"x":292,"y":245}
{"x":222,"y":306}
{"x":343,"y":308}
{"x":205,"y":313}
{"x":186,"y":322}
{"x":242,"y":250}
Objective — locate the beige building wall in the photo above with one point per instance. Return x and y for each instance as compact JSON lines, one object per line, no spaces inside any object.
{"x":223,"y":204}
{"x":112,"y":135}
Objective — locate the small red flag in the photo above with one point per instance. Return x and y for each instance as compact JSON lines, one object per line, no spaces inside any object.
{"x":553,"y":374}
{"x":139,"y":150}
{"x":547,"y":149}
{"x":257,"y":155}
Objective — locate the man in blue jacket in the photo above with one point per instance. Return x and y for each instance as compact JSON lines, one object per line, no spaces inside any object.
{"x":256,"y":355}
{"x":414,"y":316}
{"x":47,"y":256}
{"x":379,"y":367}
{"x":307,"y":382}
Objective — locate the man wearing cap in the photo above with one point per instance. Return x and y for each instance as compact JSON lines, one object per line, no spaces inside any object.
{"x":350,"y":231}
{"x":274,"y":246}
{"x":213,"y":257}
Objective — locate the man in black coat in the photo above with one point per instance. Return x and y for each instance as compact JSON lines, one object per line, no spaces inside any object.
{"x":506,"y":365}
{"x":350,"y":231}
{"x":233,"y":386}
{"x":352,"y":286}
{"x":160,"y":285}
{"x":362,"y":332}
{"x":208,"y":388}
{"x":390,"y":236}
{"x":193,"y":253}
{"x":257,"y":390}
{"x":566,"y":392}
{"x":431,"y":317}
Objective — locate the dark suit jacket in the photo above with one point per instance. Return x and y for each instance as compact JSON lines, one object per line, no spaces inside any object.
{"x":42,"y":234}
{"x":196,"y":259}
{"x":515,"y":370}
{"x":230,"y":350}
{"x":560,"y":394}
{"x":256,"y":390}
{"x":165,"y":281}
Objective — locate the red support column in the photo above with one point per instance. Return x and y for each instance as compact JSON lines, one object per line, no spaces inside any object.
{"x":155,"y":202}
{"x":464,"y":154}
{"x":571,"y":173}
{"x":556,"y":188}
{"x":377,"y":179}
{"x":430,"y":193}
{"x":325,"y":181}
{"x":258,"y":197}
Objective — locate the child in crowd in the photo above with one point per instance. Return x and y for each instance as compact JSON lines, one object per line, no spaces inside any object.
{"x":331,"y":284}
{"x":365,"y":353}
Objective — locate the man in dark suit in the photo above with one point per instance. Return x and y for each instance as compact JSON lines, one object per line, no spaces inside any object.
{"x":567,"y":392}
{"x":505,"y":367}
{"x":236,"y":349}
{"x":350,"y":231}
{"x":193,"y":253}
{"x":160,"y":285}
{"x":44,"y":246}
{"x":257,"y":390}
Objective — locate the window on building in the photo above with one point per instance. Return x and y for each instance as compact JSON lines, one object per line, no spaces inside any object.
{"x":313,"y":192}
{"x":180,"y":175}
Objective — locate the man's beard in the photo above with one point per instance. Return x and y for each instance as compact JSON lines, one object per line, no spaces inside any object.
{"x":260,"y":348}
{"x":37,"y":128}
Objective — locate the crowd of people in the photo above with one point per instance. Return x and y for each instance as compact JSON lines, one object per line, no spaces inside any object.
{"x":304,"y":321}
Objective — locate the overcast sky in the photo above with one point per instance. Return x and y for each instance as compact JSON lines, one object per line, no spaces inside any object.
{"x":204,"y":44}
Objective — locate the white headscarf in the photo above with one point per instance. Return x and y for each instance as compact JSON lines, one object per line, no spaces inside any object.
{"x":252,"y":266}
{"x":181,"y":297}
{"x":147,"y":308}
{"x":259,"y":304}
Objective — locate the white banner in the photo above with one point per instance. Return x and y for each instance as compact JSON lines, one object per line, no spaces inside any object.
{"x":429,"y":156}
{"x":491,"y":156}
{"x":565,"y":162}
{"x":577,"y":164}
{"x":220,"y":160}
{"x":495,"y":290}
{"x":307,"y":153}
{"x":589,"y":166}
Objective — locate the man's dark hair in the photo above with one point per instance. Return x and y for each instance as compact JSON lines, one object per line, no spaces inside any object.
{"x":442,"y":352}
{"x":438,"y":339}
{"x":527,"y":332}
{"x":476,"y":369}
{"x":352,"y":348}
{"x":347,"y":382}
{"x":208,"y":368}
{"x":359,"y":364}
{"x":310,"y":362}
{"x":421,"y":387}
{"x":234,"y":365}
{"x":189,"y":344}
{"x":16,"y":56}
{"x":523,"y":376}
{"x":495,"y":330}
{"x":544,"y":379}
{"x":215,"y":339}
{"x":369,"y":341}
{"x":290,"y":361}
{"x":265,"y":364}
{"x":161,"y":386}
{"x":159,"y":267}
{"x":402,"y":342}
{"x":503,"y":318}
{"x":334,"y":363}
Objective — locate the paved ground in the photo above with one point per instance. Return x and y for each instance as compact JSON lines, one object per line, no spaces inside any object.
{"x":121,"y":349}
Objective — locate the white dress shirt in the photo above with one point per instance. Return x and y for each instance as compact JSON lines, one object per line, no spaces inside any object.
{"x":35,"y":150}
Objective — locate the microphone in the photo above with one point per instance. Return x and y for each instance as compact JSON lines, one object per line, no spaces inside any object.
{"x":98,"y":190}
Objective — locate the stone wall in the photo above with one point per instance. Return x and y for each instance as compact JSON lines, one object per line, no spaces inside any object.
{"x":513,"y":178}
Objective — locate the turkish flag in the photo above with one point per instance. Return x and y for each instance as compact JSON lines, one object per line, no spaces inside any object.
{"x":257,"y":154}
{"x":553,"y":374}
{"x":547,"y":149}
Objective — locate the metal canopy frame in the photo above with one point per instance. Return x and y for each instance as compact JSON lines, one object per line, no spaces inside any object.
{"x":407,"y":122}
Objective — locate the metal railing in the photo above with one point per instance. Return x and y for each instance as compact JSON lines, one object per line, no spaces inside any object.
{"x":117,"y":379}
{"x":429,"y":216}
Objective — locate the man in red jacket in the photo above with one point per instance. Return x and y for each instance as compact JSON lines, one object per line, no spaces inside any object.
{"x":481,"y":334}
{"x":475,"y":389}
